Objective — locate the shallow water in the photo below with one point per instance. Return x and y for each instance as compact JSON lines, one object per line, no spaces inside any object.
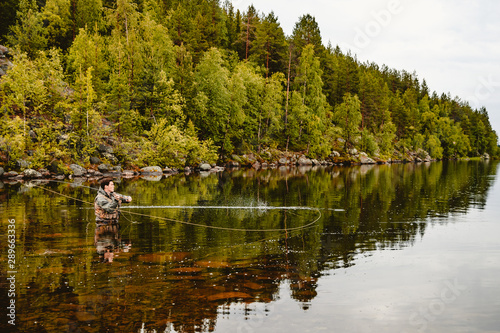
{"x":400,"y":248}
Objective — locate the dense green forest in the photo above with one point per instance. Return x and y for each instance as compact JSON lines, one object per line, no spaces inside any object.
{"x":175,"y":83}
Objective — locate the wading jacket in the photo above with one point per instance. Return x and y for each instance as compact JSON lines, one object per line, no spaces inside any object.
{"x":107,"y":205}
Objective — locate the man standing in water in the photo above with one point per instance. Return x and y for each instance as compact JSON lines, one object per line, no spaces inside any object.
{"x":107,"y":204}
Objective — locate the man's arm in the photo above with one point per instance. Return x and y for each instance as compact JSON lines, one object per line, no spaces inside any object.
{"x":122,"y":198}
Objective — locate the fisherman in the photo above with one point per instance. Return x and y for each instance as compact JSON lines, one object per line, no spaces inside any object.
{"x":107,"y":203}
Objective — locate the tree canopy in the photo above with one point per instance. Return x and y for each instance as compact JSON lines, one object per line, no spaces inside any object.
{"x":229,"y":81}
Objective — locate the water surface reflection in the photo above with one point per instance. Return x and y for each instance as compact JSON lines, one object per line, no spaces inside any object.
{"x":164,"y":270}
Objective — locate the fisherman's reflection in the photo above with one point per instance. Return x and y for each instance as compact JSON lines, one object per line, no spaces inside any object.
{"x":107,"y":232}
{"x":108,"y":241}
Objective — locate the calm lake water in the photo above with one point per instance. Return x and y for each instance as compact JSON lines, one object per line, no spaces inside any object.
{"x":390,"y":248}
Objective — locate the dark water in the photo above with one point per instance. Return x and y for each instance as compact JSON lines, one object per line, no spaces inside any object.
{"x":401,"y":248}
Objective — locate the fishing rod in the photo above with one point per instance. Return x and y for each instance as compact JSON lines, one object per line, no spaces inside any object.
{"x":204,"y":225}
{"x":260,"y":207}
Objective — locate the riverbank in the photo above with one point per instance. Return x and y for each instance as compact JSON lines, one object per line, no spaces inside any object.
{"x":268,"y":159}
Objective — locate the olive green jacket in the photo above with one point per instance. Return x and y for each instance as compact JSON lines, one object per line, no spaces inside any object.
{"x":107,"y":206}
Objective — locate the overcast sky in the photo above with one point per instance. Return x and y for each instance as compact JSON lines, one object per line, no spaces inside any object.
{"x":453,"y":45}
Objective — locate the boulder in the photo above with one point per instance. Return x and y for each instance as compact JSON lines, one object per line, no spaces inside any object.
{"x":103,"y":167}
{"x":217,"y":169}
{"x":205,"y":167}
{"x":151,"y":170}
{"x":128,"y":173}
{"x":4,"y":61}
{"x":283,"y":161}
{"x":105,"y":149}
{"x":364,"y":159}
{"x":486,"y":156}
{"x":95,"y":160}
{"x":30,"y":173}
{"x":10,"y":174}
{"x":335,"y":154}
{"x":304,"y":161}
{"x":233,"y":164}
{"x":78,"y":171}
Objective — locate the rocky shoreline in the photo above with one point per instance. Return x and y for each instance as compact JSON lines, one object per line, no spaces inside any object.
{"x":98,"y":171}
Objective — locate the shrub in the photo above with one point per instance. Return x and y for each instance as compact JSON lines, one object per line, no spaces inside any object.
{"x":176,"y":148}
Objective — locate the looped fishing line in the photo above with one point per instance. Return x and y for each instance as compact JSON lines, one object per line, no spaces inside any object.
{"x":197,"y":224}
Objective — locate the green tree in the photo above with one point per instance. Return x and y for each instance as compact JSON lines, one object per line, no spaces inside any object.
{"x":212,"y":98}
{"x":347,"y":115}
{"x":89,"y":49}
{"x":308,"y":90}
{"x":88,"y":15}
{"x":57,"y":23}
{"x":270,"y":117}
{"x":28,"y":33}
{"x":269,"y":49}
{"x":306,"y":31}
{"x":8,"y":8}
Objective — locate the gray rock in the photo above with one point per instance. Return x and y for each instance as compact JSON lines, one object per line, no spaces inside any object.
{"x":30,"y":173}
{"x":364,"y":159}
{"x":335,"y":154}
{"x":2,"y":171}
{"x":152,"y":170}
{"x":217,"y":169}
{"x":205,"y":167}
{"x":110,"y":157}
{"x":78,"y":171}
{"x":256,"y":165}
{"x":23,"y":164}
{"x":103,"y":167}
{"x":304,"y":161}
{"x":128,"y":173}
{"x":95,"y":160}
{"x":353,"y":151}
{"x":105,"y":149}
{"x":283,"y":161}
{"x":10,"y":174}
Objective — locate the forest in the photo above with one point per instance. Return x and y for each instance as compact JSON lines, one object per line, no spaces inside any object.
{"x":176,"y":83}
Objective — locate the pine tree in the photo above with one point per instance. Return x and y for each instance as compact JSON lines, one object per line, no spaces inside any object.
{"x":28,"y":33}
{"x":269,"y":48}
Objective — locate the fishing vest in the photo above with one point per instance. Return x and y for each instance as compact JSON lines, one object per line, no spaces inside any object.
{"x":101,"y":215}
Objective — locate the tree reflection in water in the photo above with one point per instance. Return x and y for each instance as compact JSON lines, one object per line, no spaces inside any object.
{"x":183,"y":276}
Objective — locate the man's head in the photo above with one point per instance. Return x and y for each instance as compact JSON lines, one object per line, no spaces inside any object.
{"x":107,"y":185}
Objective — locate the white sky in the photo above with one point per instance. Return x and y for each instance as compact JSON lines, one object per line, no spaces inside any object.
{"x":453,"y":45}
